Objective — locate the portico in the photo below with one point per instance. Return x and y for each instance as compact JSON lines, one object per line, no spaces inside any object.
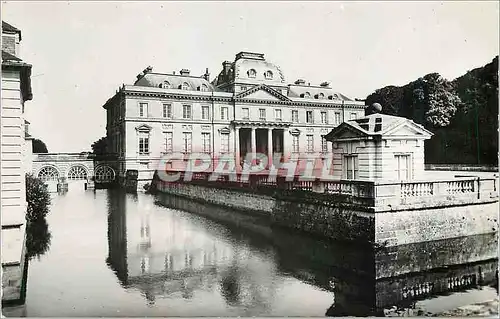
{"x":259,"y":137}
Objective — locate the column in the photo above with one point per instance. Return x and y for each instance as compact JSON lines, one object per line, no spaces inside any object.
{"x":254,"y":145}
{"x":270,"y":147}
{"x":237,"y":146}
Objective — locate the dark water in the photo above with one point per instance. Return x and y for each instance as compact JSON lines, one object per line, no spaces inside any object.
{"x":117,"y":254}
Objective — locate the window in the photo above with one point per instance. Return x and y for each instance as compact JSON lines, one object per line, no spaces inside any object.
{"x":295,"y":116}
{"x":186,"y":142}
{"x":48,"y":173}
{"x":324,"y":119}
{"x":205,"y":140}
{"x":295,"y":144}
{"x":310,"y":143}
{"x":168,"y":142}
{"x":403,"y":165}
{"x":186,"y":111}
{"x":204,"y":88}
{"x":262,"y":114}
{"x":224,"y":143}
{"x":277,"y":114}
{"x":268,"y":75}
{"x":185,"y":86}
{"x":243,"y":88}
{"x":245,"y":113}
{"x":307,"y":95}
{"x":104,"y":173}
{"x":166,"y":85}
{"x":143,"y":144}
{"x":224,"y":113}
{"x":143,"y":109}
{"x":321,"y":96}
{"x":309,"y":117}
{"x":167,"y":111}
{"x":324,"y":145}
{"x":351,"y":166}
{"x":337,"y":117}
{"x":353,"y":116}
{"x":77,"y":173}
{"x":205,"y":113}
{"x":252,"y":73}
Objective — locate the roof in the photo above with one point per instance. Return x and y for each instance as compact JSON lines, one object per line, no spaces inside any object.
{"x":315,"y":91}
{"x":175,"y":81}
{"x":6,"y":56}
{"x":9,"y":28}
{"x":376,"y":125}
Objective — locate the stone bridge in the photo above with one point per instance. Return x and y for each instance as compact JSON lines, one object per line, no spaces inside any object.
{"x":79,"y":170}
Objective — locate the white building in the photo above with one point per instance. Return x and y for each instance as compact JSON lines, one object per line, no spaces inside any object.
{"x":248,"y":107}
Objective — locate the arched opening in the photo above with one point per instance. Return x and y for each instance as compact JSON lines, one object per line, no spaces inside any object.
{"x":76,"y":173}
{"x":104,"y":173}
{"x":48,"y":173}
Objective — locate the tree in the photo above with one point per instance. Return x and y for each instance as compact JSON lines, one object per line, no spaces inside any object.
{"x":39,"y":146}
{"x":100,"y":147}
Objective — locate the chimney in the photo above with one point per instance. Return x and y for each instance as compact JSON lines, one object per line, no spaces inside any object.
{"x":227,"y":66}
{"x":325,"y":84}
{"x":206,"y":76}
{"x":300,"y":82}
{"x":184,"y":72}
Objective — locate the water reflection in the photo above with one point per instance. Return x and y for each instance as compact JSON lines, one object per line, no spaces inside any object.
{"x":38,"y":238}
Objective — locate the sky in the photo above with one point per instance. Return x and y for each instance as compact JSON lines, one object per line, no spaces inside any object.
{"x":82,"y":52}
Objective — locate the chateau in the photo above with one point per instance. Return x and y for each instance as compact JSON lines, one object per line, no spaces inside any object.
{"x":248,"y":107}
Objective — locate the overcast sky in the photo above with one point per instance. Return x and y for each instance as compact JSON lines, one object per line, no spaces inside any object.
{"x":82,"y":52}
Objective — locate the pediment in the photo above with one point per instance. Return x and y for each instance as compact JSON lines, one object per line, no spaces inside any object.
{"x":408,"y":129}
{"x":143,"y":128}
{"x":344,"y":131}
{"x":262,"y":92}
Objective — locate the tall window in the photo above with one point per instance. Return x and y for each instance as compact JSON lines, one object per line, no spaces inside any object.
{"x":205,"y":113}
{"x":224,"y":143}
{"x":295,"y":143}
{"x":245,"y":113}
{"x":205,"y":140}
{"x":403,"y":165}
{"x":186,"y":111}
{"x":324,"y":119}
{"x":295,"y":116}
{"x":309,"y":117}
{"x":167,"y":111}
{"x":353,"y":116}
{"x":168,"y":142}
{"x":186,"y":142}
{"x":324,"y":144}
{"x":224,"y":113}
{"x":351,"y":167}
{"x":262,"y":114}
{"x":143,"y":109}
{"x":337,"y":117}
{"x":143,"y":143}
{"x":310,"y":143}
{"x":277,"y":114}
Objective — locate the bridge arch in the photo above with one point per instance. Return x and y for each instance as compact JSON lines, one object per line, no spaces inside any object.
{"x":77,"y":172}
{"x":48,"y":173}
{"x":104,"y":173}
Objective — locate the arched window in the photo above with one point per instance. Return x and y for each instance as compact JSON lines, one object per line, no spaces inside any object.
{"x":166,"y":85}
{"x":48,"y":173}
{"x":77,"y":173}
{"x":252,"y":73}
{"x":204,"y":88}
{"x":321,"y":96}
{"x":104,"y":173}
{"x":307,"y":94}
{"x":185,"y":86}
{"x":268,"y":75}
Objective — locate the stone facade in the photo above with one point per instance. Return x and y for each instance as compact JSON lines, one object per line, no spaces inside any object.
{"x":15,"y":160}
{"x":249,"y":107}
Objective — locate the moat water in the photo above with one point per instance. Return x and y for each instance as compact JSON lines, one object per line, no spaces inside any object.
{"x":117,"y":254}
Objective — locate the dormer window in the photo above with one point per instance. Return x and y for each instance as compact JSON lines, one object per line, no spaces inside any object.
{"x":321,"y":96}
{"x":185,"y":86}
{"x":307,"y":95}
{"x":330,"y":97}
{"x":268,"y":75}
{"x":252,"y":73}
{"x":166,"y":85}
{"x":204,"y":88}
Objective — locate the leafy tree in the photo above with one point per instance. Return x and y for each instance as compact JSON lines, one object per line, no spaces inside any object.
{"x":37,"y":197}
{"x":100,"y":147}
{"x":39,"y":146}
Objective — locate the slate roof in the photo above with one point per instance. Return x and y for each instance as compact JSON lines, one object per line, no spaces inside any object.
{"x":329,"y":93}
{"x":155,"y":79}
{"x":6,"y":56}
{"x":9,"y":28}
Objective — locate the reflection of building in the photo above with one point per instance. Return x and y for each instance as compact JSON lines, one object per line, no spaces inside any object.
{"x":15,"y":154}
{"x":248,"y":107}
